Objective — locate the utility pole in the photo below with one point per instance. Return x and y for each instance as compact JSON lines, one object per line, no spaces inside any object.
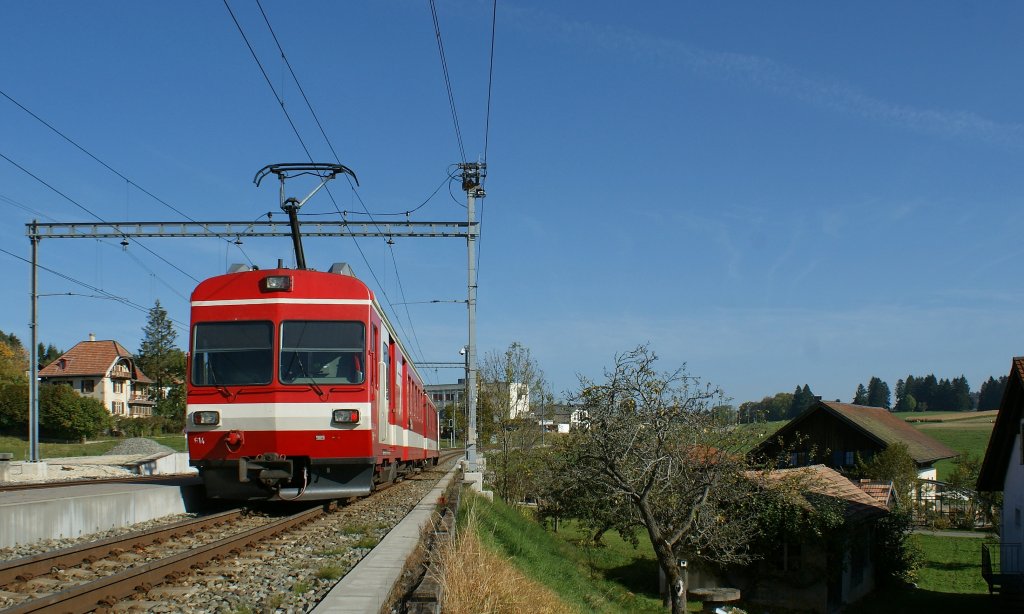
{"x":33,"y":388}
{"x":472,"y":173}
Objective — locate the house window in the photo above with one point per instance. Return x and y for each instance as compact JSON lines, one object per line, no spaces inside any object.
{"x":788,"y":557}
{"x":87,"y":386}
{"x":118,"y":386}
{"x":848,"y":460}
{"x":117,"y":408}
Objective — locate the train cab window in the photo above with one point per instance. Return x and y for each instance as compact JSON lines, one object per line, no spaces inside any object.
{"x":232,"y":353}
{"x":320,"y":352}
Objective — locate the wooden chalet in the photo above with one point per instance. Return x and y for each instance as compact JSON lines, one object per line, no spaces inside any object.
{"x":834,"y":434}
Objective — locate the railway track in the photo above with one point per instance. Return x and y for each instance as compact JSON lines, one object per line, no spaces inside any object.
{"x":37,"y":584}
{"x":99,"y":574}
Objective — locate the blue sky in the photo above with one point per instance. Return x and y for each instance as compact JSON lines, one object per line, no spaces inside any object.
{"x":776,"y":195}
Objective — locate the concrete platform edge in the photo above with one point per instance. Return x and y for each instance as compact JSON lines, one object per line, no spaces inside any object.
{"x":366,"y":588}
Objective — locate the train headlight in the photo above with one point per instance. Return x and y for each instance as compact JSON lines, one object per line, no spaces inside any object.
{"x":345,"y":416}
{"x":206,"y":418}
{"x":277,"y":283}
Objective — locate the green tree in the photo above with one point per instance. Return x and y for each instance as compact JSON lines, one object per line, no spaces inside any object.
{"x":512,"y":394}
{"x":158,"y":357}
{"x":13,"y":359}
{"x":652,"y":442}
{"x":47,"y":354}
{"x":961,"y":394}
{"x":907,"y":403}
{"x":172,"y":409}
{"x":861,"y":396}
{"x":802,"y":399}
{"x":64,"y":414}
{"x":893,"y":464}
{"x":878,"y":393}
{"x":14,"y":408}
{"x":991,"y":393}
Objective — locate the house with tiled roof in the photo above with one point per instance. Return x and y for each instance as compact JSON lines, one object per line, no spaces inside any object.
{"x":105,"y":371}
{"x":835,"y":434}
{"x":806,"y":572}
{"x":1002,"y":470}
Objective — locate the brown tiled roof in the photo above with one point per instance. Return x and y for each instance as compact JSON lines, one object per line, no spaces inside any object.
{"x":880,"y":490}
{"x":879,"y":424}
{"x":91,"y":358}
{"x":1001,"y":442}
{"x":823,"y":480}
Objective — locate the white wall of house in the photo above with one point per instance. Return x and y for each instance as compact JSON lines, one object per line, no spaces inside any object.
{"x":518,"y":400}
{"x":1013,"y":498}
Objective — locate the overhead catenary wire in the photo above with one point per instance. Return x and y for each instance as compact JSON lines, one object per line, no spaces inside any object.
{"x":302,"y":142}
{"x":447,"y":80}
{"x":88,"y":211}
{"x":104,"y":294}
{"x":128,"y":181}
{"x":490,"y":80}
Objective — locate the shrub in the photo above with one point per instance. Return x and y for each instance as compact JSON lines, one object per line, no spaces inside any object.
{"x":14,"y":408}
{"x":64,"y":414}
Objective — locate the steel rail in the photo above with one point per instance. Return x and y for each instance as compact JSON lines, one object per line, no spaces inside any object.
{"x":108,"y":591}
{"x":25,"y":569}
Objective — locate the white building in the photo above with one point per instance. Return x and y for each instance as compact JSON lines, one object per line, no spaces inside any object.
{"x":1003,"y":470}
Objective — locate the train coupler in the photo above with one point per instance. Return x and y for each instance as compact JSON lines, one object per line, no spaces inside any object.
{"x":268,"y":467}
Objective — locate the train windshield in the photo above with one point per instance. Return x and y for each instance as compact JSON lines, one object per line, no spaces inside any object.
{"x":320,"y":352}
{"x":233,"y":353}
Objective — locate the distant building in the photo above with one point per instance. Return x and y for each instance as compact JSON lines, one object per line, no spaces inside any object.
{"x":105,"y":371}
{"x":447,"y":394}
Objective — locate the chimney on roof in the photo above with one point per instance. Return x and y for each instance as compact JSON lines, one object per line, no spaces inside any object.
{"x":92,"y":336}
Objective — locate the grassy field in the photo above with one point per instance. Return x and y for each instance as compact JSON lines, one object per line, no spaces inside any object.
{"x":19,"y":446}
{"x":949,"y":580}
{"x":615,"y":578}
{"x":620,"y":578}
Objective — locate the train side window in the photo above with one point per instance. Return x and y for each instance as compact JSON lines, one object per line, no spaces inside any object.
{"x":322,"y":352}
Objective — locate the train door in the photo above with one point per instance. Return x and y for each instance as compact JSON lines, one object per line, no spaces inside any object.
{"x":410,"y":395}
{"x":383,"y":399}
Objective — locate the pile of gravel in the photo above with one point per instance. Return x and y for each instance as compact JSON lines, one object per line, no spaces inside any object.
{"x":139,"y":445}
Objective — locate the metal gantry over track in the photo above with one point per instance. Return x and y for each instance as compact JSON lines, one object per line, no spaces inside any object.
{"x":238,"y":231}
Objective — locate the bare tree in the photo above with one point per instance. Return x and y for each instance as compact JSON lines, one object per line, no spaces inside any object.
{"x":651,"y":442}
{"x":512,"y":394}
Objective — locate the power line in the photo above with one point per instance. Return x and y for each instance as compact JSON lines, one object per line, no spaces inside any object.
{"x":125,"y":301}
{"x":309,"y":105}
{"x":127,"y":180}
{"x":490,"y":80}
{"x":447,"y":80}
{"x":87,"y":210}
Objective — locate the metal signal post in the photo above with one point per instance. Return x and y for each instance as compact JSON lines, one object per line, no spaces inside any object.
{"x":472,"y":173}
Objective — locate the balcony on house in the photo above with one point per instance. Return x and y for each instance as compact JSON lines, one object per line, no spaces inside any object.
{"x":1002,"y":566}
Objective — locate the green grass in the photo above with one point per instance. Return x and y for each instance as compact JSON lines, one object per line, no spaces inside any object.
{"x":969,"y":437}
{"x":614,"y":578}
{"x":19,"y":446}
{"x":618,"y":578}
{"x":951,"y":564}
{"x":949,"y":580}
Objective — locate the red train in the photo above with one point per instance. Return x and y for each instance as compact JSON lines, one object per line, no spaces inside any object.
{"x":299,"y":389}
